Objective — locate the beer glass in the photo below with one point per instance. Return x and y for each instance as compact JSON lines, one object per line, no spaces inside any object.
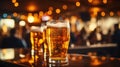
{"x":37,"y":40}
{"x":58,"y":37}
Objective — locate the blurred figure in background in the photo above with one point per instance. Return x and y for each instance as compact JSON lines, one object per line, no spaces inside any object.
{"x":3,"y":32}
{"x":116,"y":34}
{"x":13,"y":40}
{"x":95,"y":36}
{"x":81,"y":38}
{"x":116,"y":39}
{"x":72,"y":38}
{"x":26,"y":35}
{"x":106,"y":37}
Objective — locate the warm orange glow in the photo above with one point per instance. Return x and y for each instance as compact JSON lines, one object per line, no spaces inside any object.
{"x":4,"y":28}
{"x":77,"y":4}
{"x":49,"y":12}
{"x":95,"y":10}
{"x":105,"y":1}
{"x":96,"y":62}
{"x":90,"y":1}
{"x":93,"y":57}
{"x":15,"y":14}
{"x":111,"y":13}
{"x":96,"y":2}
{"x":64,"y":7}
{"x":73,"y":58}
{"x":9,"y":17}
{"x":102,"y":13}
{"x":31,"y":7}
{"x":36,"y":17}
{"x":112,"y":58}
{"x":51,"y":8}
{"x":31,"y":61}
{"x":23,"y":17}
{"x":118,"y":13}
{"x":58,"y":11}
{"x":73,"y":20}
{"x":16,"y":4}
{"x":103,"y":58}
{"x":41,"y":13}
{"x":36,"y":14}
{"x":13,"y":1}
{"x":90,"y":53}
{"x":80,"y":57}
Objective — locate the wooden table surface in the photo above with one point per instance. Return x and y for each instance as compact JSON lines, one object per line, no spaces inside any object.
{"x":75,"y":60}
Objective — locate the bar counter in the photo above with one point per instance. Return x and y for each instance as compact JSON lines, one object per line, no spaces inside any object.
{"x":22,"y":58}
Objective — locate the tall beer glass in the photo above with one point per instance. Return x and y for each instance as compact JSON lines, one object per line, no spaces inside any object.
{"x":58,"y":37}
{"x":37,"y":39}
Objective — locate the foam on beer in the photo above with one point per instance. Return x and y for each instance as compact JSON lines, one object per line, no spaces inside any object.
{"x":57,"y":24}
{"x":36,"y":29}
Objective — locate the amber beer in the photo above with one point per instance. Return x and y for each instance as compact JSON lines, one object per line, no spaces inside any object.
{"x":58,"y":36}
{"x":36,"y":36}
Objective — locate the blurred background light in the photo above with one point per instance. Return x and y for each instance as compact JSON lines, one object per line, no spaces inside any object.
{"x":77,"y":4}
{"x":7,"y":22}
{"x":90,"y":1}
{"x":64,"y":7}
{"x":5,"y":15}
{"x":15,"y":14}
{"x":111,"y":13}
{"x":16,"y":4}
{"x":103,"y":14}
{"x":13,"y":1}
{"x":45,"y":18}
{"x":41,"y":13}
{"x":51,"y":8}
{"x":49,"y":12}
{"x":105,"y":1}
{"x":30,"y":19}
{"x":22,"y":23}
{"x":31,"y":7}
{"x":58,"y":11}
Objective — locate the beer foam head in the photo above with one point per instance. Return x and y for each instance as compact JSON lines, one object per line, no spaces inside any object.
{"x":36,"y":29}
{"x":58,"y":24}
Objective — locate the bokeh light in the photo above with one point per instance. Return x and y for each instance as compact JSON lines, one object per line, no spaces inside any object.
{"x":22,"y":23}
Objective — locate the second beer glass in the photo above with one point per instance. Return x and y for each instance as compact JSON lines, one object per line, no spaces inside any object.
{"x":58,"y":37}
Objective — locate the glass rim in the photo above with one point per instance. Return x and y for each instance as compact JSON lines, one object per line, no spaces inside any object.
{"x":36,"y":29}
{"x":58,"y":23}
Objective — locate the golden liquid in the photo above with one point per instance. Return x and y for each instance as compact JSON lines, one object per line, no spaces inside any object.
{"x":36,"y":39}
{"x":58,"y":41}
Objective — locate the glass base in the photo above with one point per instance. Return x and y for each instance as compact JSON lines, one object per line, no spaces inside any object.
{"x":58,"y":62}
